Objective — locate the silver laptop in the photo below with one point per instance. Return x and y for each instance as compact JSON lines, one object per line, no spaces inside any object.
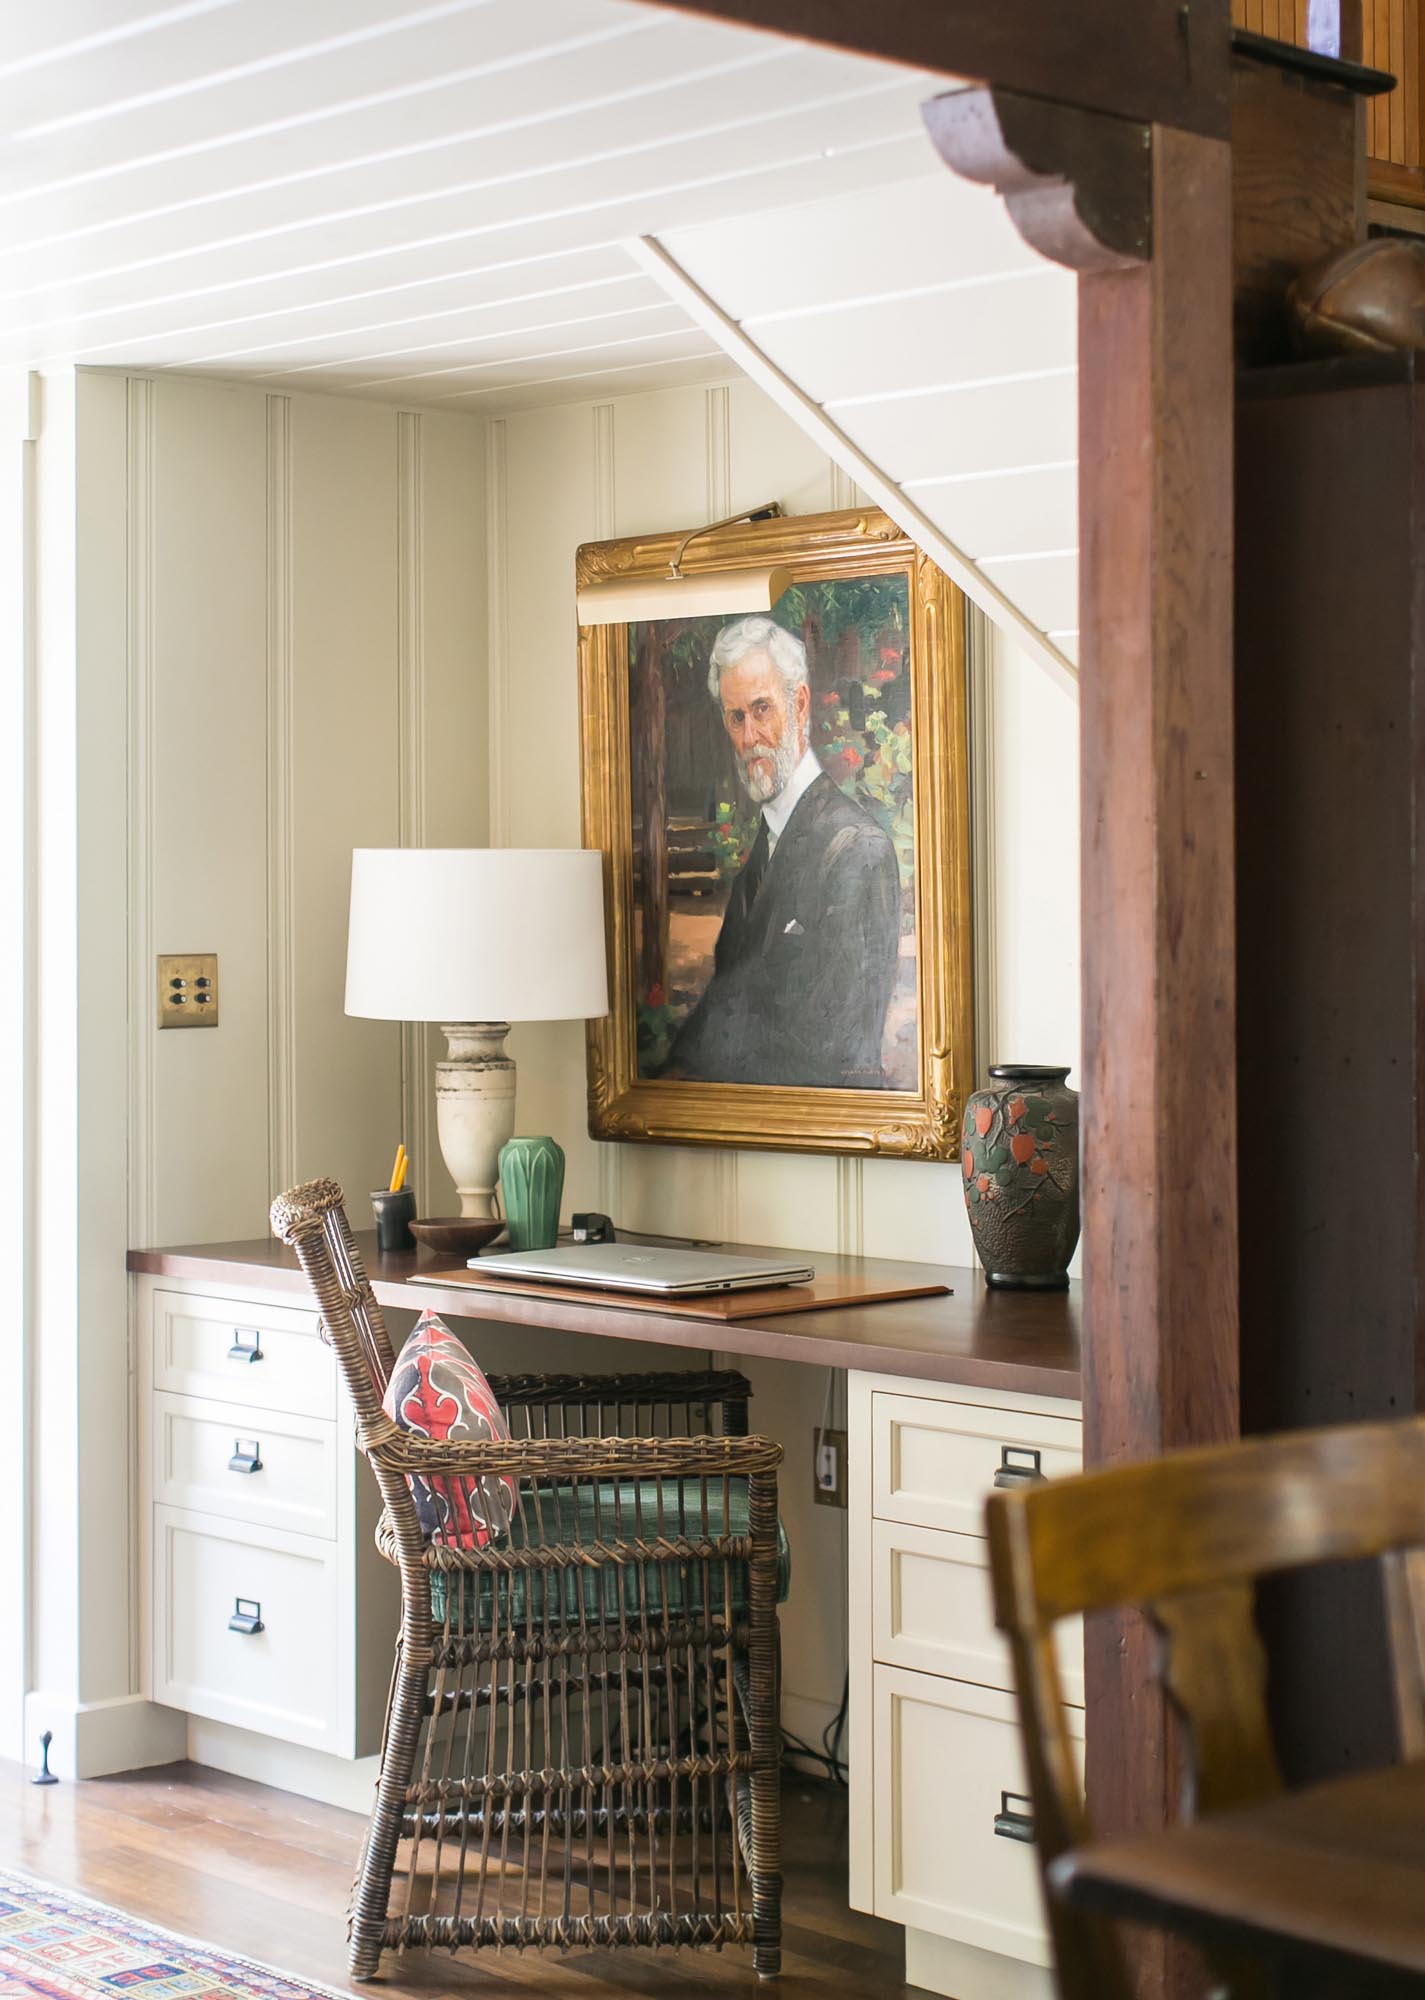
{"x":634,"y":1267}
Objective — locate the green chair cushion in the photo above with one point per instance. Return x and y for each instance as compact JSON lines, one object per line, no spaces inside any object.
{"x":610,"y":1513}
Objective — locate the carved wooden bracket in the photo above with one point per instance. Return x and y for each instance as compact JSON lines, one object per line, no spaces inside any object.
{"x":1078,"y":184}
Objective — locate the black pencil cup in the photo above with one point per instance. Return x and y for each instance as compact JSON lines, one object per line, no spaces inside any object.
{"x":394,"y":1214}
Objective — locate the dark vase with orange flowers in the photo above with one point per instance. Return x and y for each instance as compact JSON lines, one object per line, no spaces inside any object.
{"x":1021,"y":1164}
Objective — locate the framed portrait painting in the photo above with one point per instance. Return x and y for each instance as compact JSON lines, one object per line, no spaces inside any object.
{"x":782,"y":802}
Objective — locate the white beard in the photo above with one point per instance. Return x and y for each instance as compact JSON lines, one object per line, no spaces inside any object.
{"x":762,"y":785}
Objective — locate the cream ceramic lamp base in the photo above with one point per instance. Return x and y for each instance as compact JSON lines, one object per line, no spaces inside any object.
{"x":475,"y":1109}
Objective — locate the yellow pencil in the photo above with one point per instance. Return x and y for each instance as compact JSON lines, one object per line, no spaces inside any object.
{"x":398,"y":1169}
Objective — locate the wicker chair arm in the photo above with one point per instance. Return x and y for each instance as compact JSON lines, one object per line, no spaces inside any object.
{"x":386,"y":1444}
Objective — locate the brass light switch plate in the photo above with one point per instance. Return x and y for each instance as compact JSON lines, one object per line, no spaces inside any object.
{"x":188,"y":989}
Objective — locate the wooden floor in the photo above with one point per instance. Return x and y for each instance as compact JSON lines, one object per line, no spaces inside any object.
{"x":246,"y":1868}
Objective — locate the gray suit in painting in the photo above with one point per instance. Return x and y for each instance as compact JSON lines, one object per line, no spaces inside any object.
{"x":806,"y":959}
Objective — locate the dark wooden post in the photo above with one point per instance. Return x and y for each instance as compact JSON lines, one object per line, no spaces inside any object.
{"x":1144,"y":214}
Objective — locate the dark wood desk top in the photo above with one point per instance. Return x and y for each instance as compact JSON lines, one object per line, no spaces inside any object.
{"x":1335,"y":1869}
{"x":1023,"y":1342}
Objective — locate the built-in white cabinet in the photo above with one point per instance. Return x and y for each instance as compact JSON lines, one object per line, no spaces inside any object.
{"x":942,"y":1832}
{"x":266,"y":1604}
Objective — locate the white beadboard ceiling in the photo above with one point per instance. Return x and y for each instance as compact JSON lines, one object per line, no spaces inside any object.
{"x":437,"y":205}
{"x":416,"y":203}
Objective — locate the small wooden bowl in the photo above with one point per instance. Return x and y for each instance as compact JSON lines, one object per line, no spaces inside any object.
{"x":456,"y":1235}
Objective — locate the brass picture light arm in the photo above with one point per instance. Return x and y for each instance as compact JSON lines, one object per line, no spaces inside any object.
{"x":769,"y":510}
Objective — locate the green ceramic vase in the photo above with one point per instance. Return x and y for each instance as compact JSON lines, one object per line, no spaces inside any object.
{"x":531,"y":1184}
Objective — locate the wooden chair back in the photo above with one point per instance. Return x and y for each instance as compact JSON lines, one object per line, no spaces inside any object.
{"x":1184,"y":1539}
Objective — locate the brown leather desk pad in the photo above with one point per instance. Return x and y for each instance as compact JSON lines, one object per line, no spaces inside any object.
{"x":835,"y":1289}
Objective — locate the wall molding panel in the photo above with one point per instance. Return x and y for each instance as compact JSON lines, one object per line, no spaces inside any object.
{"x":851,"y":1206}
{"x":498,"y":637}
{"x":417,"y":1063}
{"x":980,"y":673}
{"x":139,"y":584}
{"x":719,"y":451}
{"x":281,"y":893}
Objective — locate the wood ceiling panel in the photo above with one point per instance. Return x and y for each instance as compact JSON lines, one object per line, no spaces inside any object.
{"x":416,"y":200}
{"x":201,"y":55}
{"x":679,"y":139}
{"x":411,"y":123}
{"x":467,"y":333}
{"x":169,"y":297}
{"x":960,"y":333}
{"x":696,"y":122}
{"x":1007,"y":513}
{"x":300,"y":330}
{"x":63,"y":29}
{"x":669,"y":373}
{"x":914,"y":438}
{"x":931,"y":230}
{"x":446,"y":363}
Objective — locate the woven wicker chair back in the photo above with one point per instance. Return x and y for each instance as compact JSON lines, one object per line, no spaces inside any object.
{"x":312,"y":1221}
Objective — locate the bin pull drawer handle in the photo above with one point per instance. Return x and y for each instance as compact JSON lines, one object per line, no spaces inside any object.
{"x":1018,"y":1465}
{"x":247,"y":1344}
{"x":247,"y":1456}
{"x":247,"y":1616}
{"x":1015,"y":1818}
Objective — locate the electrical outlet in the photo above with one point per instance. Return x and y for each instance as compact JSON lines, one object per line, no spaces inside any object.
{"x":188,"y":989}
{"x":828,"y":1468}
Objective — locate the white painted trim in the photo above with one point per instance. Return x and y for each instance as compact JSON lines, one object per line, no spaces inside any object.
{"x":850,"y":1205}
{"x":812,"y":419}
{"x":281,"y":946}
{"x":417,"y":1070}
{"x":94,"y":1738}
{"x":498,"y":584}
{"x":969,"y":1972}
{"x":718,"y":400}
{"x":142,"y":736}
{"x":727,"y":1200}
{"x":19,"y":424}
{"x":982,"y":667}
{"x":292,"y":1767}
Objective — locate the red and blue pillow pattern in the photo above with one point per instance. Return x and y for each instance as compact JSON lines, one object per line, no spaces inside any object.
{"x":438,"y":1391}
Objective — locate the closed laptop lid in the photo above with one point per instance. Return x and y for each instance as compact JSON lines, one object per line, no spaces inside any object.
{"x":645,"y":1267}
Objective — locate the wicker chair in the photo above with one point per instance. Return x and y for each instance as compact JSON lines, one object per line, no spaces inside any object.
{"x":581,"y":1742}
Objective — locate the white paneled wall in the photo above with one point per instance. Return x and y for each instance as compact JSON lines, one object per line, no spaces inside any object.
{"x":572,"y":473}
{"x":306,"y":614}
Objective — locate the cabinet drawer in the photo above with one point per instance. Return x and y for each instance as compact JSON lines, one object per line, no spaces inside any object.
{"x":284,"y":1679}
{"x":931,"y":1609}
{"x":933,"y":1462}
{"x":262,"y":1466}
{"x":265,"y":1357}
{"x":946,"y":1756}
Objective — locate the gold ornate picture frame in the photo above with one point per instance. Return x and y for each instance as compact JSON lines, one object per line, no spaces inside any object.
{"x":887,"y":722}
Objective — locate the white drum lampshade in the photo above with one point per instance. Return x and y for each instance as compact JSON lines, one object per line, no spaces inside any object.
{"x":476,"y":938}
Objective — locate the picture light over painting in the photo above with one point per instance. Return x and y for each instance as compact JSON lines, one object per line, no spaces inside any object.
{"x":710,"y":594}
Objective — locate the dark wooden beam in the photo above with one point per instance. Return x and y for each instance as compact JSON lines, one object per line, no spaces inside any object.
{"x":1158,"y":1115}
{"x":1158,"y":1112}
{"x":1148,"y":60}
{"x":1079,"y":185}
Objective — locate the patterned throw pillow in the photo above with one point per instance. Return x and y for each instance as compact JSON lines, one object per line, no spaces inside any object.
{"x":438,"y":1391}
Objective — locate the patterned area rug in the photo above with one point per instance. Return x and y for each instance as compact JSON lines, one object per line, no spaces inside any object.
{"x":54,"y":1946}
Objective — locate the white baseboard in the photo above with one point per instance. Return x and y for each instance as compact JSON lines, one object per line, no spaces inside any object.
{"x":944,"y":1965}
{"x":312,"y":1774}
{"x":93,"y":1739}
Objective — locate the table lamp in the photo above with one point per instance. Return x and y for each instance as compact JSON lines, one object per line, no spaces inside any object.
{"x":475,"y":938}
